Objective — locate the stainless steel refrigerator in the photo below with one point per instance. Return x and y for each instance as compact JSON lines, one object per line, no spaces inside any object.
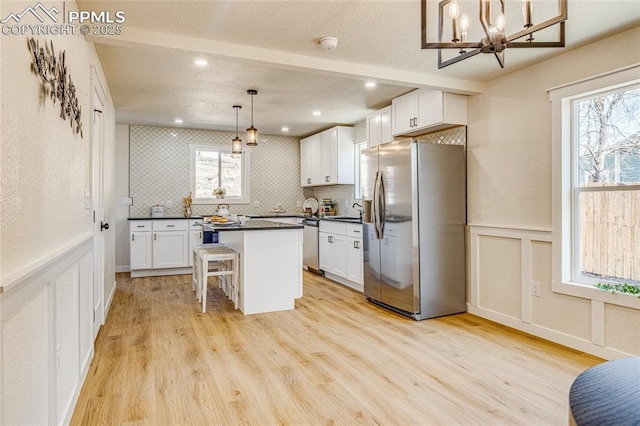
{"x":415,"y":213}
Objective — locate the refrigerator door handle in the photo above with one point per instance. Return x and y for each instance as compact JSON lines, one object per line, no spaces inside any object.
{"x":383,"y":206}
{"x":376,"y":206}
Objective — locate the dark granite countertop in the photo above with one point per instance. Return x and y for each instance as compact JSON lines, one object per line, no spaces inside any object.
{"x":273,"y":215}
{"x":166,"y":218}
{"x":252,"y":225}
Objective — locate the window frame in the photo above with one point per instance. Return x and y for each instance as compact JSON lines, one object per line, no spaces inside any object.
{"x":246,"y":175}
{"x":564,"y":174}
{"x":577,"y":189}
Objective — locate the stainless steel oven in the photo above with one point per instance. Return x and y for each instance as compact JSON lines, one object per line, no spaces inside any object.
{"x":310,"y":245}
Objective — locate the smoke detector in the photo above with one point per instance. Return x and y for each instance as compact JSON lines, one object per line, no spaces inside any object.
{"x":328,"y":43}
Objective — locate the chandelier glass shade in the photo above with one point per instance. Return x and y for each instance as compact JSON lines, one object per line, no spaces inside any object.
{"x":455,"y":25}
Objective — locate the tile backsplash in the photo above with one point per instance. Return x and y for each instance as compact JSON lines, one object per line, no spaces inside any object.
{"x":159,"y":170}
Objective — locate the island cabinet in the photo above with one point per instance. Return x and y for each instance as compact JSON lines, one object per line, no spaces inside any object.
{"x":423,"y":111}
{"x":162,"y":247}
{"x":270,"y":269}
{"x":340,"y":252}
{"x":327,"y":158}
{"x":379,"y":127}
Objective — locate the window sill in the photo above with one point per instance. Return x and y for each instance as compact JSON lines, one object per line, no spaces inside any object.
{"x":585,"y":291}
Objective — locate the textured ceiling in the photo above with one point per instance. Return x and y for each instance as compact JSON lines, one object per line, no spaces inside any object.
{"x":272,"y":46}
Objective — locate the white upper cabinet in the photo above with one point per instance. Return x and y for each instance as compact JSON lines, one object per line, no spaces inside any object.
{"x":379,"y":127}
{"x":423,"y":111}
{"x":327,"y":158}
{"x":305,"y":161}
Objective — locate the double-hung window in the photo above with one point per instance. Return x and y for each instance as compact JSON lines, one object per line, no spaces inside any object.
{"x":596,"y":184}
{"x":606,"y":186}
{"x":218,"y":176}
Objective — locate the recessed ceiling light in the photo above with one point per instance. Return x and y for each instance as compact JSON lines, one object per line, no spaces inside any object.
{"x":178,"y":121}
{"x":316,"y":113}
{"x":201,"y":62}
{"x":370,"y":84}
{"x":285,"y":129}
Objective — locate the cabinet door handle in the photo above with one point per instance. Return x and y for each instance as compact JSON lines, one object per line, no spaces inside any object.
{"x":154,"y":237}
{"x":308,"y":180}
{"x":170,"y":226}
{"x":356,"y":244}
{"x":140,"y":226}
{"x":326,"y":178}
{"x":330,"y":239}
{"x":133,"y":237}
{"x":356,"y":231}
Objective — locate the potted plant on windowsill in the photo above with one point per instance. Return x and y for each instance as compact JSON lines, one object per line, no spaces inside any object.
{"x":620,"y":288}
{"x":219,"y":192}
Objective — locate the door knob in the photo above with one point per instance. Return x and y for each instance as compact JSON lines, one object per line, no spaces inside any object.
{"x":103,"y":226}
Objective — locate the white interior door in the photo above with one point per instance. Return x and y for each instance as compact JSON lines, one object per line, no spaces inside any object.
{"x":97,"y":141}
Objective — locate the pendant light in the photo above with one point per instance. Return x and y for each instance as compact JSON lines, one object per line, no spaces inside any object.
{"x":236,"y":144}
{"x":252,"y":132}
{"x":491,"y":35}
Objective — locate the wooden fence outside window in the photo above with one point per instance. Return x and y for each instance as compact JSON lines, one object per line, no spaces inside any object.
{"x":610,"y":234}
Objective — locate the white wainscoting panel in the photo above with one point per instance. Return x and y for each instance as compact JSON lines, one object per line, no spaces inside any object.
{"x":46,"y":346}
{"x":503,"y":264}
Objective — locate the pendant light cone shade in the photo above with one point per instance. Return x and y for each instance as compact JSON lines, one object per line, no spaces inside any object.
{"x":252,"y":132}
{"x":236,"y":144}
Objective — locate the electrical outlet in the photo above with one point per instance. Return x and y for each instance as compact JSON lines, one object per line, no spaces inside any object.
{"x":256,"y":204}
{"x":169,"y":204}
{"x":535,"y":289}
{"x":126,"y":201}
{"x":298,"y":203}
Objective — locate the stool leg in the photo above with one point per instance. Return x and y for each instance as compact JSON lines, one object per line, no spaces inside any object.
{"x":200,"y":273}
{"x":236,"y":269}
{"x":204,"y":287}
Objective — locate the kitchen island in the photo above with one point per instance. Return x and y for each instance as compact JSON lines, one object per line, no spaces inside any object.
{"x":270,"y":271}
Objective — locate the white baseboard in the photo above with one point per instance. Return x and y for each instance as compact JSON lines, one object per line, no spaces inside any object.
{"x":124,"y":268}
{"x":548,"y":334}
{"x":109,"y":300}
{"x":344,"y":281}
{"x":161,"y":272}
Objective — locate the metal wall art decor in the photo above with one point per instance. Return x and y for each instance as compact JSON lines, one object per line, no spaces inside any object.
{"x":56,"y":82}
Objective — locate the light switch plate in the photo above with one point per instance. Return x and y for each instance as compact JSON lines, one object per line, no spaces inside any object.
{"x":87,"y":200}
{"x":126,"y":201}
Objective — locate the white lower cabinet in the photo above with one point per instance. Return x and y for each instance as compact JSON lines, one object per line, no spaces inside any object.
{"x":354,"y":260}
{"x":170,"y":249}
{"x":333,"y":253}
{"x":140,"y":244}
{"x":340,"y":252}
{"x":140,"y":249}
{"x":162,"y":247}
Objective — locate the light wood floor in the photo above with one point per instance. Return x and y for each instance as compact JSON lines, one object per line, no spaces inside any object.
{"x":336,"y":359}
